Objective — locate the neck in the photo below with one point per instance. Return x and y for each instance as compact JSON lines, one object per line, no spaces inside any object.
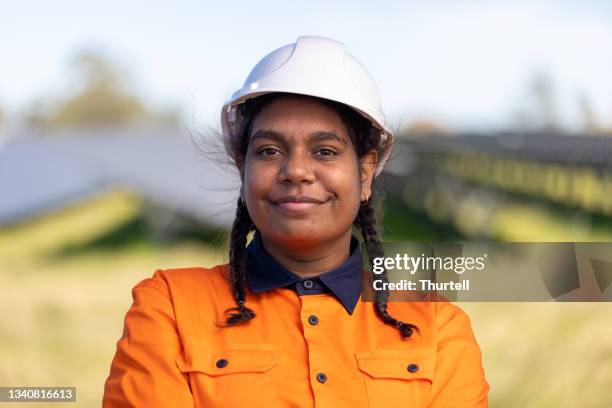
{"x":310,"y":260}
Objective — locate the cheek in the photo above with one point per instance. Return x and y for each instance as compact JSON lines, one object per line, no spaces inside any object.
{"x":345,"y":185}
{"x":257,"y":179}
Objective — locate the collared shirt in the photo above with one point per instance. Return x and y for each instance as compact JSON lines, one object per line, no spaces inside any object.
{"x":298,"y":351}
{"x":265,"y":273}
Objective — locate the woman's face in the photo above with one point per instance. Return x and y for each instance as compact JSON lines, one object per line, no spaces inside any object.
{"x":302,"y":180}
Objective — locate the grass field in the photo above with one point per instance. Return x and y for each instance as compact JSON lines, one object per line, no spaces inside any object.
{"x":62,"y":319}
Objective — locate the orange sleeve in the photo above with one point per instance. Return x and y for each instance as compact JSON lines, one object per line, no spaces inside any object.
{"x":459,"y":379}
{"x":144,"y":372}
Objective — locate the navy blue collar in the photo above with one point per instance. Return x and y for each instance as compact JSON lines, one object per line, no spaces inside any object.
{"x":344,"y":282}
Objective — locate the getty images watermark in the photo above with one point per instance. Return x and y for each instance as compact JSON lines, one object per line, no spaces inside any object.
{"x":413,"y":264}
{"x":489,"y":272}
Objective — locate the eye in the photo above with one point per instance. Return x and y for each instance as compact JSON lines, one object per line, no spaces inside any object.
{"x":326,"y":152}
{"x":267,"y":151}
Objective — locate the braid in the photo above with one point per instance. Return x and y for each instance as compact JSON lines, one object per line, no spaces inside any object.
{"x":366,"y":222}
{"x":237,"y":253}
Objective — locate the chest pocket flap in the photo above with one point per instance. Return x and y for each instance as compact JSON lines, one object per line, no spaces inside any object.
{"x":227,"y":359}
{"x":397,"y":364}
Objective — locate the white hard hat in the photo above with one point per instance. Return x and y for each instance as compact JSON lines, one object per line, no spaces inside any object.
{"x":315,"y":66}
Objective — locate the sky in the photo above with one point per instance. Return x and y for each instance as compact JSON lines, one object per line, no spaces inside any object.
{"x":464,"y":64}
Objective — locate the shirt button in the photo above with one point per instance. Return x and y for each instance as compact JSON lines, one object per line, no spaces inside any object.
{"x":221,"y":363}
{"x":308,"y":284}
{"x":321,"y":377}
{"x":313,"y":320}
{"x":413,"y":368}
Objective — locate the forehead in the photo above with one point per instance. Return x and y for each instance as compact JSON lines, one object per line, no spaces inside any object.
{"x":295,"y":116}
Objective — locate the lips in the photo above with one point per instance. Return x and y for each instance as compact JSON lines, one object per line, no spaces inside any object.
{"x":297,"y":199}
{"x":296,"y":205}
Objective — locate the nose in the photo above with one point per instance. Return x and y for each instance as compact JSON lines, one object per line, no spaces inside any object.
{"x":297,"y":168}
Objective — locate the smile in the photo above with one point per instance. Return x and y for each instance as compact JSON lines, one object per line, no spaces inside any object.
{"x":296,"y":205}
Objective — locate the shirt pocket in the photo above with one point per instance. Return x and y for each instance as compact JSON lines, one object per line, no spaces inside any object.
{"x":230,"y":375}
{"x":397,"y":378}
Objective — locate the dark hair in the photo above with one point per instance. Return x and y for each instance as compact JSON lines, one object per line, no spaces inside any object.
{"x":364,"y":137}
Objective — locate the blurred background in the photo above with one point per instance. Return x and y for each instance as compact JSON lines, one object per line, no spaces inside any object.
{"x":503,"y":112}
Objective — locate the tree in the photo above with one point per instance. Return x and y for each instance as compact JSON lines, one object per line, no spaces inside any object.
{"x":423,"y":126}
{"x":538,"y":109}
{"x":544,"y":96}
{"x":101,"y":100}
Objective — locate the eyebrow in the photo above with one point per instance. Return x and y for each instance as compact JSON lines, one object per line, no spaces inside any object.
{"x":318,"y":136}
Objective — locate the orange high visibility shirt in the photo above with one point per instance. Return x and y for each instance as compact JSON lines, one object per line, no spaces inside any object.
{"x":174,"y":353}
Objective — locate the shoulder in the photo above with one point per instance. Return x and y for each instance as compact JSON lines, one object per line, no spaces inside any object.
{"x":437,"y":320}
{"x":452,"y":322}
{"x":189,"y":279}
{"x":192,"y":297}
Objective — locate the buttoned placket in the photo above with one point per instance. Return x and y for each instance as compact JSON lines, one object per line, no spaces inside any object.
{"x":314,"y":309}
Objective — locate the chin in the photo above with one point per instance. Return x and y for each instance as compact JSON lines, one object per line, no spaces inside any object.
{"x":296,"y":233}
{"x":305,"y":236}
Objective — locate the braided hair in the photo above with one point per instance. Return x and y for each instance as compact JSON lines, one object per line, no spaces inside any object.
{"x":238,"y":237}
{"x":366,"y":220}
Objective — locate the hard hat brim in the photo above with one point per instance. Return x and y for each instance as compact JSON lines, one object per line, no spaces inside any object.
{"x":230,"y":122}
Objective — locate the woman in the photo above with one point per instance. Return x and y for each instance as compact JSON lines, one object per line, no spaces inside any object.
{"x":283,"y":324}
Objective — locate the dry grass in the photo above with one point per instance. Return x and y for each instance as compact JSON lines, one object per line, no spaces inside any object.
{"x":545,"y":354}
{"x":62,"y":318}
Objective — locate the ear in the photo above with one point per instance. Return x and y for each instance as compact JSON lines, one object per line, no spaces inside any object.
{"x":368,"y":166}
